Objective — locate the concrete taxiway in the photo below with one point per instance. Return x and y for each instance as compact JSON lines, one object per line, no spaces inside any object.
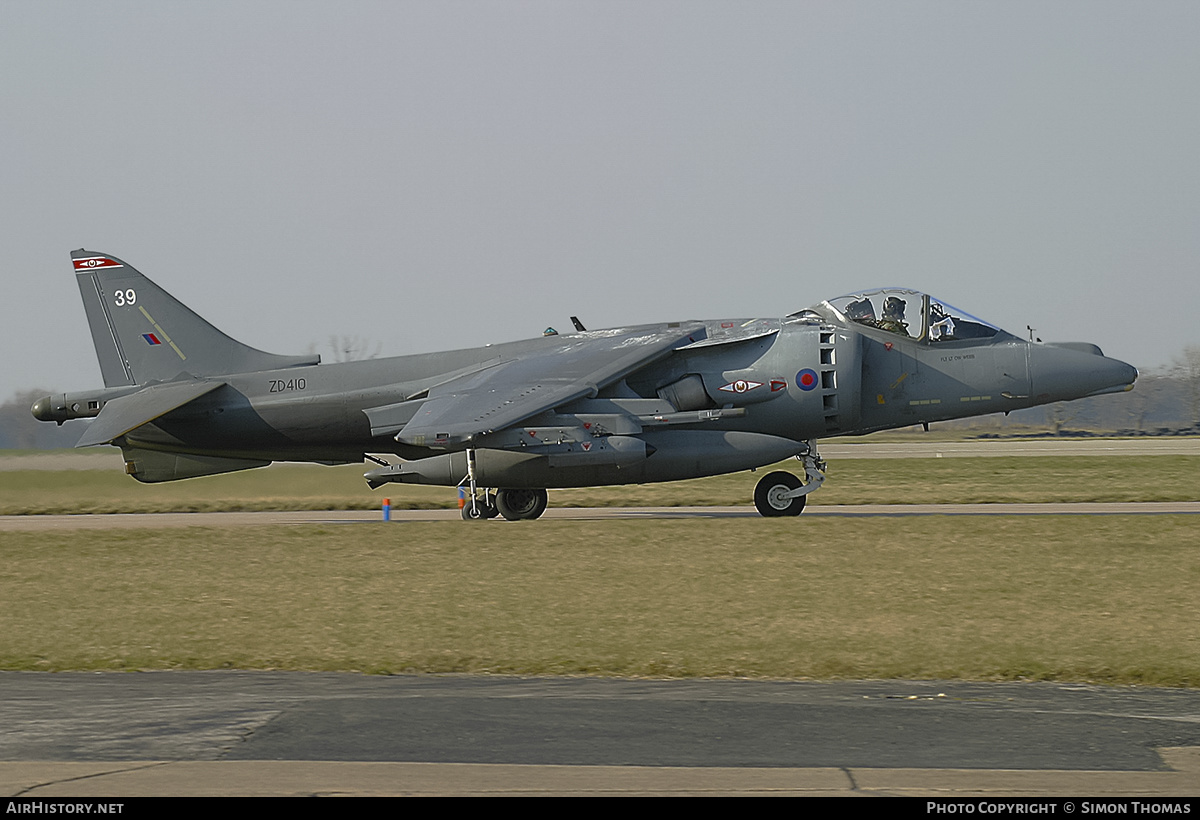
{"x":272,"y":733}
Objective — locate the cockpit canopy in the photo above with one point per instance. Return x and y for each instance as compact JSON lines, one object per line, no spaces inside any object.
{"x":909,"y":313}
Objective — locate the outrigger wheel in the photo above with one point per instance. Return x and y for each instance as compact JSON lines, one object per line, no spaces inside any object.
{"x":771,"y":495}
{"x":521,"y":505}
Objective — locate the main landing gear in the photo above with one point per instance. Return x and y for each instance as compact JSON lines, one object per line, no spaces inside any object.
{"x":513,"y":504}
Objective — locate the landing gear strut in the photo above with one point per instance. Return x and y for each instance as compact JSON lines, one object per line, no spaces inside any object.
{"x":780,"y":493}
{"x":476,"y":508}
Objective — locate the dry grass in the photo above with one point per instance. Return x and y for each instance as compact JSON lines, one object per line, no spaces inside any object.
{"x":1103,"y":598}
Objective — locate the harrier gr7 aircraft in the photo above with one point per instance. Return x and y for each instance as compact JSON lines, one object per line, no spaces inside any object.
{"x":628,"y":405}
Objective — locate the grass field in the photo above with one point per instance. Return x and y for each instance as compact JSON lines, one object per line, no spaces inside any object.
{"x":851,"y":481}
{"x":1086,"y":598}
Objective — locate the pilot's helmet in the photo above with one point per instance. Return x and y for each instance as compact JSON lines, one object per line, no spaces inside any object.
{"x":893,"y":308}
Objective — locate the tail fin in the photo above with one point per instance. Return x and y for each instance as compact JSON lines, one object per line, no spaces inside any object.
{"x":142,"y":333}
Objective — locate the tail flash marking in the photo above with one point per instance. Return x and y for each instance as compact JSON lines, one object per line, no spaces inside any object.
{"x":92,"y":262}
{"x":151,"y":339}
{"x":162,"y":333}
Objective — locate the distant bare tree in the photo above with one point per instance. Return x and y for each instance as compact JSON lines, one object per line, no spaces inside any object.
{"x":350,"y":348}
{"x":353,"y":348}
{"x":1146,"y":398}
{"x":1059,"y":415}
{"x":1186,"y":368}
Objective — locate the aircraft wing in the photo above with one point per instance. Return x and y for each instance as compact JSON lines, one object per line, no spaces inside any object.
{"x":568,"y":368}
{"x":123,"y":414}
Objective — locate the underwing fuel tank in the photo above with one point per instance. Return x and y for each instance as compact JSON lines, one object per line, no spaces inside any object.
{"x":654,"y":456}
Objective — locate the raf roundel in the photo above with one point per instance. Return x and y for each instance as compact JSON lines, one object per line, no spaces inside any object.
{"x":806,"y":379}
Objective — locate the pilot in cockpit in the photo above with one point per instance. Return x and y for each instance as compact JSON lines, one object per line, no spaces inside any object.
{"x":893,"y":316}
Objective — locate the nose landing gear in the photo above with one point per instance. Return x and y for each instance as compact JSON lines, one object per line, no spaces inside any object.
{"x":780,"y":493}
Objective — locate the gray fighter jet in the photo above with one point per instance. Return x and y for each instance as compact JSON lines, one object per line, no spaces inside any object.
{"x":628,"y":405}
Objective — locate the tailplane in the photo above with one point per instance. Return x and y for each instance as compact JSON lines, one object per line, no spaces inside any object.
{"x":143,"y":334}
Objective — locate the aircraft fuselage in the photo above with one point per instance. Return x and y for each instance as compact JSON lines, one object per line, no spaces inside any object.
{"x":753,"y":401}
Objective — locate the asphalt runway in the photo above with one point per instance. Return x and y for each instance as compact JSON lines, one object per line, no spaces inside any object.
{"x":251,"y":733}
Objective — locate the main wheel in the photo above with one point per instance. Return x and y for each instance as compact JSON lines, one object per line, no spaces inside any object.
{"x":521,"y":505}
{"x":770,"y":496}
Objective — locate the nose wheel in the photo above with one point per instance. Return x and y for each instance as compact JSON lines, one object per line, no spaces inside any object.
{"x":773,"y":495}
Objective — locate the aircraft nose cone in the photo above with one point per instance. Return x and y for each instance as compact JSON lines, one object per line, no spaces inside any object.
{"x":1110,"y":375}
{"x":1126,"y":373}
{"x":1105,"y":375}
{"x":1064,"y":373}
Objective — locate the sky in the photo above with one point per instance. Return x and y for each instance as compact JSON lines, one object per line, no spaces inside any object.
{"x":432,"y":175}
